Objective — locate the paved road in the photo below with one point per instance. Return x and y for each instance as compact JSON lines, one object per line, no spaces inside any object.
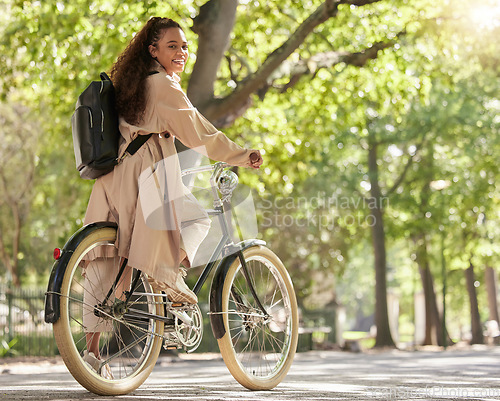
{"x":472,"y":374}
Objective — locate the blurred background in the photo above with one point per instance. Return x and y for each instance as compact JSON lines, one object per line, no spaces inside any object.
{"x":379,"y":126}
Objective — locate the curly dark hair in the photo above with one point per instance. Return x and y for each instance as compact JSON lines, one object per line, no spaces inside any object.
{"x":132,"y":68}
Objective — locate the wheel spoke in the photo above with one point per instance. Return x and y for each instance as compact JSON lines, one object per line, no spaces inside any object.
{"x":263,"y":346}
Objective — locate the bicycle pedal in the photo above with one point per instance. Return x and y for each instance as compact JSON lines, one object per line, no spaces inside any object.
{"x":177,"y":304}
{"x":171,"y":341}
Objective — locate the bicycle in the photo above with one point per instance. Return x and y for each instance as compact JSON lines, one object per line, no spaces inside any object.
{"x":253,"y":309}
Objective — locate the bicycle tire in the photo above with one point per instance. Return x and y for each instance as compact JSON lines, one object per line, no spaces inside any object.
{"x":130,"y":367}
{"x":258,"y":351}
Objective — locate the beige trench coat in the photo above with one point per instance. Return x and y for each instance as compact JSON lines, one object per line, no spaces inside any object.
{"x":115,"y":196}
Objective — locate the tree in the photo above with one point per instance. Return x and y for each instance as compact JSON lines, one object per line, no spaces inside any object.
{"x":384,"y":337}
{"x":476,"y":327}
{"x":490,"y":280}
{"x":17,"y":170}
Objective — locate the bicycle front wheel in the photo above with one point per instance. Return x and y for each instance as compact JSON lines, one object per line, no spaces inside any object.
{"x":258,"y":348}
{"x":128,"y":336}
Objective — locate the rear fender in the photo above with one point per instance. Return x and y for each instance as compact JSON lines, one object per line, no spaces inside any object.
{"x":52,"y":297}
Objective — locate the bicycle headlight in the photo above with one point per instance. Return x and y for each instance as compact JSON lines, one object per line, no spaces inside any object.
{"x":227,"y":181}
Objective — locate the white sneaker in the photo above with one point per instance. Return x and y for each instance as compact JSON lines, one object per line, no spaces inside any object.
{"x":95,"y":364}
{"x":177,"y":291}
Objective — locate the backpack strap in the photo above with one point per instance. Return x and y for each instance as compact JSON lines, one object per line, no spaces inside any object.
{"x":104,"y":76}
{"x":135,"y":145}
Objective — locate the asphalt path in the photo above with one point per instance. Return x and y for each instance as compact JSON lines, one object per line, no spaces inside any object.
{"x":460,"y":374}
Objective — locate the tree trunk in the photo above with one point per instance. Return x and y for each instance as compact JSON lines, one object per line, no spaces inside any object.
{"x":384,"y":337}
{"x":476,"y":329}
{"x":433,"y":320}
{"x":11,"y":259}
{"x":431,"y":336}
{"x":492,"y":290}
{"x":213,"y":25}
{"x":490,"y":279}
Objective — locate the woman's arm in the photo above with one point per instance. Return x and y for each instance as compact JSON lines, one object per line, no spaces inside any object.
{"x":185,"y":122}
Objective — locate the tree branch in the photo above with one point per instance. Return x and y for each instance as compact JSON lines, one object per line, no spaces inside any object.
{"x":328,"y":60}
{"x":12,"y":202}
{"x":3,"y":254}
{"x":219,"y":108}
{"x":3,"y":181}
{"x":359,"y":2}
{"x":16,"y":240}
{"x":223,"y":111}
{"x":402,"y":176}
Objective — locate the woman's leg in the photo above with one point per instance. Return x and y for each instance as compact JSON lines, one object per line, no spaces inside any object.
{"x":93,"y":343}
{"x":92,"y":338}
{"x":177,"y":290}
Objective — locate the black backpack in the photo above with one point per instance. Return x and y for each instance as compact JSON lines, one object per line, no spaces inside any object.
{"x":95,"y":130}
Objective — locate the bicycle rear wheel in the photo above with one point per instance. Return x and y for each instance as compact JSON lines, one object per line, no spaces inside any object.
{"x":258,"y":349}
{"x":129,"y":340}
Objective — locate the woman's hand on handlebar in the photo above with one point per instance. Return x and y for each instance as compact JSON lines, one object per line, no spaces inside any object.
{"x":255,"y":159}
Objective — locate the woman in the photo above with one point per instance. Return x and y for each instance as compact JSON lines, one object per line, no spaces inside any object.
{"x":150,"y":100}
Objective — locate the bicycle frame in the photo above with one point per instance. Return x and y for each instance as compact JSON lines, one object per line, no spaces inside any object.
{"x":226,"y":247}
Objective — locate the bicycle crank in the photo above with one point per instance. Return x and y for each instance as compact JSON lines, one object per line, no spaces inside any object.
{"x":187,"y":331}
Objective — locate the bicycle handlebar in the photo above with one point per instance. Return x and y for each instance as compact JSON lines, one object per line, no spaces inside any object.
{"x":201,"y":169}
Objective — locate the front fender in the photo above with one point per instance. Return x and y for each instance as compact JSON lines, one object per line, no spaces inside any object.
{"x":52,"y":296}
{"x":216,"y":319}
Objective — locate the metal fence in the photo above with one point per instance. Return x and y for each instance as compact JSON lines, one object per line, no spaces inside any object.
{"x":22,"y":327}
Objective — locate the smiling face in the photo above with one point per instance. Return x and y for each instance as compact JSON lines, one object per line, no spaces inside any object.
{"x":171,"y":50}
